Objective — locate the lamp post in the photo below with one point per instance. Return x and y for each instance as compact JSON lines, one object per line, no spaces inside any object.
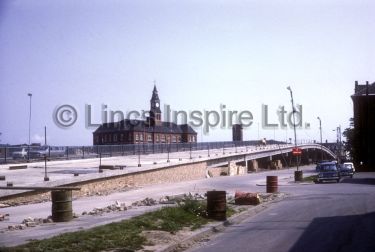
{"x":338,"y":140}
{"x":297,"y":174}
{"x":28,"y":151}
{"x":321,"y":139}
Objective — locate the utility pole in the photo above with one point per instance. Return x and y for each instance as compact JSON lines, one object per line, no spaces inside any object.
{"x":298,"y":175}
{"x":28,"y":151}
{"x":321,"y":139}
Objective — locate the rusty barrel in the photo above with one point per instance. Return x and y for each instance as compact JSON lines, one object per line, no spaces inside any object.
{"x":217,"y":205}
{"x":62,"y":205}
{"x":272,"y":186}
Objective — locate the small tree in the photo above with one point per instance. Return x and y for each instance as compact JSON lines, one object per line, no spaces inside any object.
{"x":351,"y":142}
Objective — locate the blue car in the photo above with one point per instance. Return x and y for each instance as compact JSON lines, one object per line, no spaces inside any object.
{"x":328,"y":171}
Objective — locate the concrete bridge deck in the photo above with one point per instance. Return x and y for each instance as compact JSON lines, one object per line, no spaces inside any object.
{"x":75,"y":171}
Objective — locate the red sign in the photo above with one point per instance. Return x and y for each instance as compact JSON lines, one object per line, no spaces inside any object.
{"x":297,"y":151}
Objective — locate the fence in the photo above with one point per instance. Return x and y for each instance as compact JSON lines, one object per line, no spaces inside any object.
{"x":14,"y":154}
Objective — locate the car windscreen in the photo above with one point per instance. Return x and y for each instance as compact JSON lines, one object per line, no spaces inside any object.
{"x":348,"y":166}
{"x":330,"y":167}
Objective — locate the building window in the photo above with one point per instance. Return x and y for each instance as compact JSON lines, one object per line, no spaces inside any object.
{"x":122,"y":138}
{"x":149,"y":138}
{"x":157,"y":138}
{"x":173,"y":138}
{"x":114,"y":137}
{"x":141,"y":137}
{"x":179,"y":139}
{"x":162,"y":137}
{"x":136,"y":137}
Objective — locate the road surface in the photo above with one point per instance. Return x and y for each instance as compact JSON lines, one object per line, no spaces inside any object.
{"x":254,"y":182}
{"x":318,"y":217}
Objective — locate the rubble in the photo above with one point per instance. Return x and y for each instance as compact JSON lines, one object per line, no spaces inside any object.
{"x":145,"y":202}
{"x":16,"y":227}
{"x":111,"y":208}
{"x":246,"y":198}
{"x":4,"y":217}
{"x":30,"y":222}
{"x":182,"y":197}
{"x":265,"y":197}
{"x":2,"y":205}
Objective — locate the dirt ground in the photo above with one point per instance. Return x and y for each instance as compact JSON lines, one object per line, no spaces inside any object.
{"x":161,"y":240}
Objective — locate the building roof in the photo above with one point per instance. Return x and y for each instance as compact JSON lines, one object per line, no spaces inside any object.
{"x":365,"y":89}
{"x":144,"y":126}
{"x":155,"y":95}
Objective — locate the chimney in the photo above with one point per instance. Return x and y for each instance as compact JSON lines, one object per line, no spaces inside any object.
{"x":355,"y":86}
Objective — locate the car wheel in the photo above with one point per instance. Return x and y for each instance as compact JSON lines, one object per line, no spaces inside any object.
{"x":351,"y":176}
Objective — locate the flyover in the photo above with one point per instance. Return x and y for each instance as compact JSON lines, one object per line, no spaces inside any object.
{"x":310,"y":153}
{"x":159,"y":167}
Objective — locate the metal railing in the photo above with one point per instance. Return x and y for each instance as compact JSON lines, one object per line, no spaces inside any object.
{"x":15,"y":154}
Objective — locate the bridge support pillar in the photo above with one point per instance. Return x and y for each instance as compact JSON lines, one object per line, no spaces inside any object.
{"x":252,"y":165}
{"x":246,"y":165}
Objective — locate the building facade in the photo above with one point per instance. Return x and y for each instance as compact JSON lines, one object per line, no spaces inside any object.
{"x":150,"y":131}
{"x":237,"y":133}
{"x":364,"y":124}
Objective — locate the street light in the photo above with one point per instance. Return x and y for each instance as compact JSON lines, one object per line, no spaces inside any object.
{"x":321,"y":140}
{"x":28,"y":152}
{"x":297,"y":174}
{"x":338,"y":140}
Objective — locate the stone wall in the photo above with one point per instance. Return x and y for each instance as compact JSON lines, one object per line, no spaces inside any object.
{"x":235,"y":169}
{"x":218,"y":171}
{"x":171,"y":174}
{"x":231,"y":170}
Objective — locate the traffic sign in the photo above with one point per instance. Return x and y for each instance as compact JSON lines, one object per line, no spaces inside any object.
{"x":297,"y":151}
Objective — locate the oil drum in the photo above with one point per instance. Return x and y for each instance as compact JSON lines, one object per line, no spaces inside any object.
{"x":272,"y":185}
{"x":217,"y":205}
{"x":62,"y":205}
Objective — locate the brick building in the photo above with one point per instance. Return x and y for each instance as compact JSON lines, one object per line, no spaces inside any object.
{"x":364,"y":123}
{"x":152,"y":130}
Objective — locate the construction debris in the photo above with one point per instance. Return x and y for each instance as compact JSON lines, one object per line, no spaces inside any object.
{"x":181,"y":197}
{"x":145,"y":202}
{"x":30,"y":222}
{"x":246,"y":198}
{"x":111,"y":208}
{"x":4,"y":217}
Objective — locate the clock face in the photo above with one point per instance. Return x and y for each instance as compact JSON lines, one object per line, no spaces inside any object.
{"x":157,"y":104}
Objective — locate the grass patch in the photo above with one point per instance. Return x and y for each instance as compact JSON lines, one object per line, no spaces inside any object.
{"x":125,"y":235}
{"x":311,"y":178}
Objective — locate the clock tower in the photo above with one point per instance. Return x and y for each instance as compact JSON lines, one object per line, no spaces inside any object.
{"x":155,"y":112}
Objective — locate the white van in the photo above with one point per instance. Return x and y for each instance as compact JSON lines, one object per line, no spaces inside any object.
{"x":349,"y":165}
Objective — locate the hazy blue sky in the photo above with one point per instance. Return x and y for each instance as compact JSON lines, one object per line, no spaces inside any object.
{"x":201,"y":53}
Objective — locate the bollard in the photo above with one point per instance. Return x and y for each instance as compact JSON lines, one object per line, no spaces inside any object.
{"x":298,"y":176}
{"x":217,"y":205}
{"x":272,"y":184}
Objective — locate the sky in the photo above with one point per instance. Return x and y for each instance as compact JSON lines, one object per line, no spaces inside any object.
{"x":202,"y":55}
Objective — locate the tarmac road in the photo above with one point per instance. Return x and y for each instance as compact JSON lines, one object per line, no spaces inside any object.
{"x":318,"y":217}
